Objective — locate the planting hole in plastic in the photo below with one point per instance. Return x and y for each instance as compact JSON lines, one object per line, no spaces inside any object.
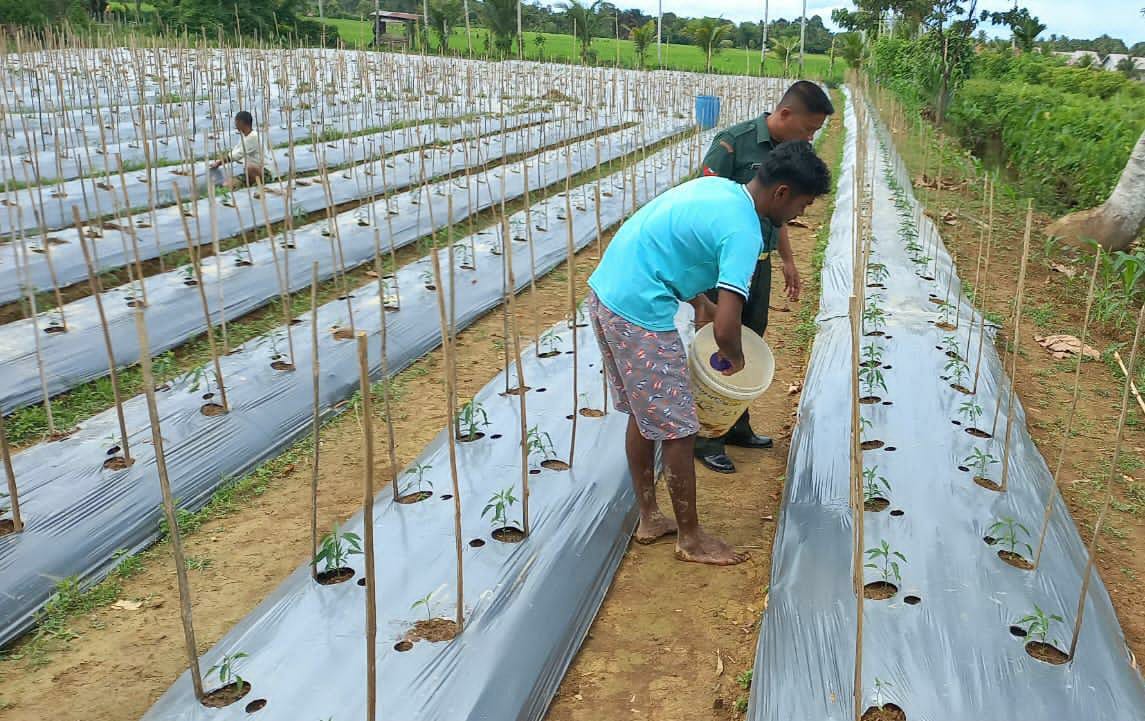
{"x":335,"y":576}
{"x":416,"y":497}
{"x":226,"y":695}
{"x":257,"y":705}
{"x":879,"y":590}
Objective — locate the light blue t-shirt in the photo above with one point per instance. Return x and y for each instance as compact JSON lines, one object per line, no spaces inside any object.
{"x":699,"y":235}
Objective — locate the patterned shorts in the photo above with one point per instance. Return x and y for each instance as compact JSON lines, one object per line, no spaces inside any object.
{"x":648,"y":373}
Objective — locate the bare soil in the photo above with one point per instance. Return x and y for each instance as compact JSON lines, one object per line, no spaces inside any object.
{"x":433,"y":630}
{"x":886,"y":712}
{"x":1016,"y":560}
{"x":1046,"y":653}
{"x":879,"y":590}
{"x":508,"y":534}
{"x":226,"y":695}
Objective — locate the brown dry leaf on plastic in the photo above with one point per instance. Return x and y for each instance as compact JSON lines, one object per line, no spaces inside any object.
{"x":794,"y":388}
{"x":1063,"y":346}
{"x":950,"y":218}
{"x":371,"y":274}
{"x":1065,"y":270}
{"x":125,"y":605}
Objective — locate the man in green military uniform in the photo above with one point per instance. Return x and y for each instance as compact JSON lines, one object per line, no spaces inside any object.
{"x":736,"y":153}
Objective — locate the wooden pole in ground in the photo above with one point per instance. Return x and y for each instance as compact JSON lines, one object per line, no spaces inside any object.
{"x":1092,"y":551}
{"x":386,"y":410}
{"x":10,"y":473}
{"x":169,"y":507}
{"x":984,"y":294}
{"x":33,"y":315}
{"x":368,"y":527}
{"x":193,"y":254}
{"x":510,"y":303}
{"x":857,"y":509}
{"x":93,"y":285}
{"x":571,"y":249}
{"x":317,"y":419}
{"x":1016,"y":340}
{"x":451,"y":413}
{"x":1072,"y":411}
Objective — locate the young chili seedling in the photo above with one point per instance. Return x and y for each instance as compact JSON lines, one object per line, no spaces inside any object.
{"x":873,"y":484}
{"x":979,"y":461}
{"x":419,"y":470}
{"x":471,"y":417}
{"x":950,"y":346}
{"x":550,"y":340}
{"x":956,"y":371}
{"x":971,"y":411}
{"x":227,"y":669}
{"x":337,"y":547}
{"x":1037,"y":624}
{"x":871,"y":380}
{"x":498,"y":508}
{"x":1006,"y":532}
{"x":877,"y":272}
{"x":872,"y":355}
{"x":540,"y":443}
{"x":885,"y":555}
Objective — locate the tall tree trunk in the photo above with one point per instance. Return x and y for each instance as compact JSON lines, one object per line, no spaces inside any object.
{"x":1120,"y":219}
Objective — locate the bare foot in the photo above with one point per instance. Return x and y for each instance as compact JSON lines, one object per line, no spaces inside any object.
{"x":655,"y":526}
{"x":702,"y":548}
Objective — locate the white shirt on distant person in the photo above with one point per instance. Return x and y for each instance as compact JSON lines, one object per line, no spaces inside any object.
{"x":249,"y":150}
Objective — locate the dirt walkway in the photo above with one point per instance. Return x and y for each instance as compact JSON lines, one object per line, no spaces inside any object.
{"x":671,"y":637}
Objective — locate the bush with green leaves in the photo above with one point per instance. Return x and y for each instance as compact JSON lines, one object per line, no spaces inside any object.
{"x":956,"y":371}
{"x":336,"y":549}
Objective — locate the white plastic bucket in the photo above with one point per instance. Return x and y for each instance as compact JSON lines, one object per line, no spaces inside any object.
{"x":721,"y":400}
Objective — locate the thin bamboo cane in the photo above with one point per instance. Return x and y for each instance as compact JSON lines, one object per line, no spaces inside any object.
{"x":1072,"y":411}
{"x":451,"y":413}
{"x":173,"y":530}
{"x":1113,"y":471}
{"x":984,"y":295}
{"x":368,"y":527}
{"x":1016,"y":341}
{"x":33,"y":315}
{"x":570,"y":248}
{"x":510,"y":304}
{"x":391,"y":441}
{"x":193,"y":254}
{"x":316,"y":423}
{"x":93,"y":285}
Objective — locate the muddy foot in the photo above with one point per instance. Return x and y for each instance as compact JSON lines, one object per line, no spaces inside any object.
{"x":703,"y":548}
{"x":654,"y":527}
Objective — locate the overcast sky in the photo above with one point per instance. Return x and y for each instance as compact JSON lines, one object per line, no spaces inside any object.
{"x":1119,"y":18}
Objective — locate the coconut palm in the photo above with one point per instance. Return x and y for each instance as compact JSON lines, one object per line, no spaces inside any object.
{"x":1128,"y":68}
{"x":441,"y":18}
{"x":851,"y":48}
{"x":707,"y":33}
{"x":1026,"y":32}
{"x":584,"y":18}
{"x":642,"y":38}
{"x":501,"y":20}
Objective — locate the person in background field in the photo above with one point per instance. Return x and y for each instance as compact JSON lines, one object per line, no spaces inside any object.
{"x":702,"y":234}
{"x":737,"y":153}
{"x":248,"y":152}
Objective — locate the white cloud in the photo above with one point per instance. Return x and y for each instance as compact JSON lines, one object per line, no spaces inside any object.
{"x":1119,"y":18}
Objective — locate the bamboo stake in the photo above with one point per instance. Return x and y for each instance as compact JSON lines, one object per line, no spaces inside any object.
{"x":1072,"y":410}
{"x":93,"y":284}
{"x":193,"y":254}
{"x":1132,"y":385}
{"x":1016,"y":341}
{"x":857,"y":508}
{"x":451,"y":413}
{"x":10,"y":474}
{"x":510,"y":304}
{"x":1092,"y":550}
{"x":985,"y":287}
{"x":317,"y":421}
{"x":368,"y":527}
{"x":571,"y":249}
{"x":169,"y":507}
{"x":386,"y":410}
{"x":33,"y":316}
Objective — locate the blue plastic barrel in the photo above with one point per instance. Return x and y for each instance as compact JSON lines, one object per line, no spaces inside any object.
{"x":707,"y":111}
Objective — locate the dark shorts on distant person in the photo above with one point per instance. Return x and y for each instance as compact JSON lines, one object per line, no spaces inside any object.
{"x":648,"y":373}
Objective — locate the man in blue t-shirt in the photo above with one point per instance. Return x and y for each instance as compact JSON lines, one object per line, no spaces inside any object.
{"x":700,"y":235}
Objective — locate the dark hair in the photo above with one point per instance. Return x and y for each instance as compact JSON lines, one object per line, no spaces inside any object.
{"x":245,"y":118}
{"x":796,"y":164}
{"x":806,"y":96}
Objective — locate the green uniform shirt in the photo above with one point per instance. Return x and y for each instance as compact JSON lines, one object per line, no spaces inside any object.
{"x":737,"y":153}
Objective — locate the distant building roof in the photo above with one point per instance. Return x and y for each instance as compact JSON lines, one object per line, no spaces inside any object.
{"x":396,"y":17}
{"x":1074,"y":56}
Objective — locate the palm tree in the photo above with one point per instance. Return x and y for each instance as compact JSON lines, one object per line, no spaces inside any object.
{"x":707,"y":33}
{"x":441,"y":15}
{"x":642,"y":37}
{"x":1128,"y":68}
{"x":852,"y":49}
{"x":1027,"y":31}
{"x":783,"y":48}
{"x":584,"y":20}
{"x":501,"y":20}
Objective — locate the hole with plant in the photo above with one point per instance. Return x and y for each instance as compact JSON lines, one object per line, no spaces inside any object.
{"x":188,"y":274}
{"x":464,"y":256}
{"x":333,"y":553}
{"x":1037,"y":625}
{"x":424,"y":488}
{"x":470,"y":417}
{"x":877,"y":274}
{"x":864,"y":443}
{"x":874,"y":320}
{"x":945,"y":315}
{"x":883,"y":711}
{"x":586,"y":410}
{"x":876,"y":490}
{"x":957,"y":372}
{"x":7,"y":525}
{"x":871,"y":380}
{"x":426,"y":278}
{"x":1006,"y":533}
{"x":550,"y":341}
{"x":540,"y":444}
{"x":498,"y":508}
{"x":885,"y":560}
{"x":232,"y":687}
{"x":950,"y":347}
{"x":970,"y":412}
{"x":243,"y":257}
{"x":872,"y":356}
{"x":979,"y":463}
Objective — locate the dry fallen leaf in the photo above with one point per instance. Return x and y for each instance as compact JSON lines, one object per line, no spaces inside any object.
{"x":950,"y":218}
{"x":125,"y":605}
{"x":719,"y":664}
{"x":794,"y":388}
{"x":1063,"y":346}
{"x":1067,"y":271}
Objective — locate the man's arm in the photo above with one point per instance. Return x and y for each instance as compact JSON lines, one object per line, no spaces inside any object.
{"x":720,"y":159}
{"x":705,"y":310}
{"x":792,"y":283}
{"x":728,"y":329}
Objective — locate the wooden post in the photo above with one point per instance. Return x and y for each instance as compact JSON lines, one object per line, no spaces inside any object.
{"x":1016,"y":341}
{"x":391,"y":442}
{"x":451,"y":413}
{"x":510,"y":304}
{"x":10,"y":473}
{"x":317,"y":420}
{"x":983,"y":295}
{"x":169,"y":507}
{"x":571,"y":249}
{"x":93,"y":285}
{"x":1072,"y":410}
{"x":1092,"y":551}
{"x":368,"y":527}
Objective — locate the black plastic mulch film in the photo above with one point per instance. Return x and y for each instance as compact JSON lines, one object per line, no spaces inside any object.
{"x":951,"y":655}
